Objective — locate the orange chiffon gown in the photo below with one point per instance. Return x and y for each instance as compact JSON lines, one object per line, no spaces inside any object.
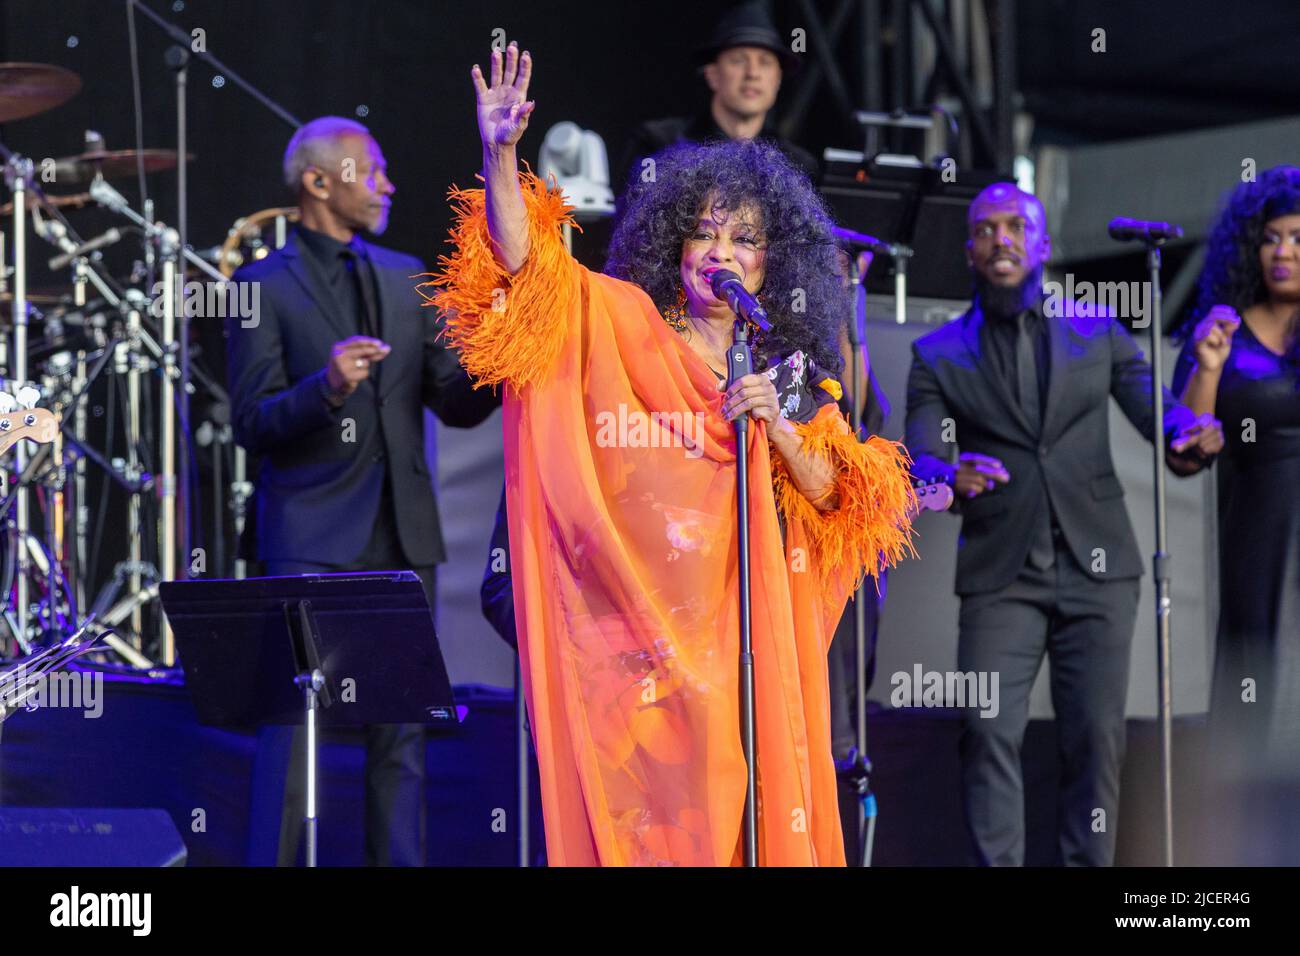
{"x":623,"y":555}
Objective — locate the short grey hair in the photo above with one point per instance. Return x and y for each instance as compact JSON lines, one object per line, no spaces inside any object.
{"x":311,"y":145}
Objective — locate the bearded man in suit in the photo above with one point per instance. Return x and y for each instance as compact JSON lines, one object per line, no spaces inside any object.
{"x":1047,"y":560}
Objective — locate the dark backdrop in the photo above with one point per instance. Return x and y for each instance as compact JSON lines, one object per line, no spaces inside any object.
{"x":1169,"y":64}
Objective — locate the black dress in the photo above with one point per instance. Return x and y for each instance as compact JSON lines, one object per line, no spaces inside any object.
{"x":1259,"y":622}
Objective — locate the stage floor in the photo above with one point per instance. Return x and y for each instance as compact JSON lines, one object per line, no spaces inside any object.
{"x":147,"y":750}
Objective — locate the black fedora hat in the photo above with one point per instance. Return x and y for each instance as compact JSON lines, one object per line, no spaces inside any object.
{"x":746,"y":25}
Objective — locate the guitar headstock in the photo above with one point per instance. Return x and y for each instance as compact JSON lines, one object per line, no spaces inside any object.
{"x":20,"y":419}
{"x":934,"y":495}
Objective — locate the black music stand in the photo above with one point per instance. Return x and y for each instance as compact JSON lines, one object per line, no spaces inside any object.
{"x":339,"y":649}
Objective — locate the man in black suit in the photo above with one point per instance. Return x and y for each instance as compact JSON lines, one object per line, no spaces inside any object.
{"x":328,"y":386}
{"x":1047,"y":561}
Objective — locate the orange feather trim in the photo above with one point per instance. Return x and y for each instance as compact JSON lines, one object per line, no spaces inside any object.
{"x":507,"y":328}
{"x":871,"y":529}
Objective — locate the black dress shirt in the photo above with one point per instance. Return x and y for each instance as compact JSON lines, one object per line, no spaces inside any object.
{"x":344,"y":265}
{"x":999,"y":345}
{"x":999,"y":341}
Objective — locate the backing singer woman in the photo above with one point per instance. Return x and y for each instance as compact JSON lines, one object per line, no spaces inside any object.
{"x":1241,"y":363}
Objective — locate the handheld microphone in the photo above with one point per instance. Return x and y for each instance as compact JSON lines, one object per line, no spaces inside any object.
{"x":77,"y":251}
{"x":1125,"y":229}
{"x":727,"y":285}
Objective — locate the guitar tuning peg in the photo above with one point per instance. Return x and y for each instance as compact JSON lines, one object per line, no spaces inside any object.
{"x":28,"y":396}
{"x":7,"y":403}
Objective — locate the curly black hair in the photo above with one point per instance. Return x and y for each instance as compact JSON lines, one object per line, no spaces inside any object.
{"x":805,"y":297}
{"x":1232,"y":274}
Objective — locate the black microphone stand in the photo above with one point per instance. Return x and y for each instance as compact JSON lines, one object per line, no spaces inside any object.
{"x":1153,"y":235}
{"x":1160,"y":561}
{"x":857,"y":769}
{"x":859,"y":764}
{"x":740,"y":362}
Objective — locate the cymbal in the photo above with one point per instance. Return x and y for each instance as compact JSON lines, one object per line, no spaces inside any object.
{"x":51,"y":202}
{"x":111,"y":164}
{"x":30,"y":88}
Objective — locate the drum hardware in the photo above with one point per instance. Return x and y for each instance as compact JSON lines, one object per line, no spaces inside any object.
{"x":111,"y":610}
{"x":102,"y":325}
{"x":69,"y":337}
{"x":27,"y":89}
{"x":21,"y":680}
{"x":129,"y":350}
{"x":18,"y":173}
{"x":112,"y":164}
{"x":73,"y":201}
{"x":248,"y":232}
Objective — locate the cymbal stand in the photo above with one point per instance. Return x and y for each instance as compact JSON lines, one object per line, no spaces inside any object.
{"x":171,"y":252}
{"x":77,"y":506}
{"x":127,"y":353}
{"x":59,"y":232}
{"x":73,"y":433}
{"x":18,"y":172}
{"x":167,"y":250}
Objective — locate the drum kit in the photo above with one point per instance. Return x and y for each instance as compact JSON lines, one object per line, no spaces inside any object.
{"x":56,"y":343}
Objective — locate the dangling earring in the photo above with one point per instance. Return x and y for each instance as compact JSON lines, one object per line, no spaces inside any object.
{"x":676,"y":315}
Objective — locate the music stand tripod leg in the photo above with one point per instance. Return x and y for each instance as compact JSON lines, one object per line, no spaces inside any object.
{"x":311,"y":681}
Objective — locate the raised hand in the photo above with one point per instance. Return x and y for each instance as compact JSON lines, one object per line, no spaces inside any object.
{"x":1213,"y":337}
{"x":503,"y":105}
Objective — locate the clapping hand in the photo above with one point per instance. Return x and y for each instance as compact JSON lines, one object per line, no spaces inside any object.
{"x":1213,"y":337}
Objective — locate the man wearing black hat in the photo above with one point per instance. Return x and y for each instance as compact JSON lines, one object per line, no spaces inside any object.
{"x":743,"y":63}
